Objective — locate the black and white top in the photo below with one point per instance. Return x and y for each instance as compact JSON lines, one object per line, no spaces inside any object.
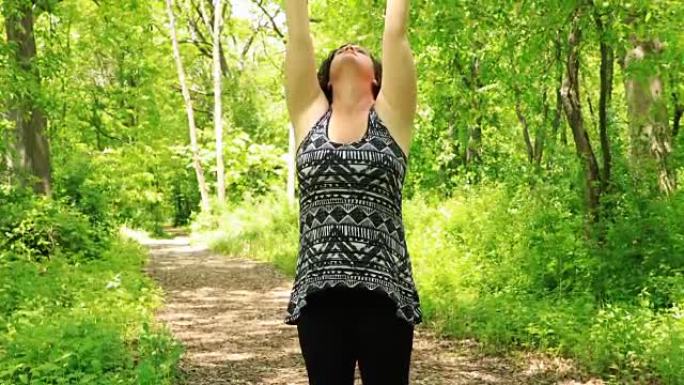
{"x":351,"y":227}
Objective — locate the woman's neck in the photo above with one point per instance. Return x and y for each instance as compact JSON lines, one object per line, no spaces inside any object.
{"x":351,"y":94}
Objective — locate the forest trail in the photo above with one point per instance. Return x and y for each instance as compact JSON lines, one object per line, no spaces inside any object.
{"x":228,"y":313}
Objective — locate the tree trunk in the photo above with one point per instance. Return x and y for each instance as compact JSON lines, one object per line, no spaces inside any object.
{"x":540,"y":133}
{"x":29,"y":151}
{"x":558,"y":112}
{"x":472,"y":138}
{"x":218,"y":122}
{"x":650,"y":135}
{"x":676,"y":119}
{"x":474,"y":146}
{"x":678,"y":109}
{"x":534,"y":150}
{"x":525,"y":128}
{"x":607,"y":59}
{"x":572,"y":106}
{"x":188,"y":107}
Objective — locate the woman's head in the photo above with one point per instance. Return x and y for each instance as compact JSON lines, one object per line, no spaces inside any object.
{"x":350,"y":55}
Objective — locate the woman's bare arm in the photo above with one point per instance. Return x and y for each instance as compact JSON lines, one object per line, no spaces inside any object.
{"x":301,"y":81}
{"x":398,"y":91}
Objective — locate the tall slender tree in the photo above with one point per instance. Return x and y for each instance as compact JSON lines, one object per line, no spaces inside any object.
{"x":197,"y":164}
{"x":570,"y":93}
{"x":218,"y":122}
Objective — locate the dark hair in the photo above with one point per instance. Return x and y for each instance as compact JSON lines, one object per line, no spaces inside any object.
{"x":324,"y":74}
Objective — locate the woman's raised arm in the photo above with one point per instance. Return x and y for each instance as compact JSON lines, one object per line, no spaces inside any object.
{"x":398,"y":92}
{"x":301,"y":81}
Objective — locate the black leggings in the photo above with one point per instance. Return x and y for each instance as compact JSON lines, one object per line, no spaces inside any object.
{"x":339,"y":326}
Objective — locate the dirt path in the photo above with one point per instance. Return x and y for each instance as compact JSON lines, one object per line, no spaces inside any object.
{"x":228,"y":313}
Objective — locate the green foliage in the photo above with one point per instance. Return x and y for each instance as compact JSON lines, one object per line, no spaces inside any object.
{"x":252,"y":169}
{"x":38,"y":228}
{"x":83,"y":325}
{"x":519,"y":273}
{"x":78,"y":183}
{"x":157,"y":355}
{"x":141,"y":181}
{"x":647,"y":239}
{"x":264,"y":229}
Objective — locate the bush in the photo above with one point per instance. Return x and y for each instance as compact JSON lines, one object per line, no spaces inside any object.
{"x":37,"y":228}
{"x":84,"y":325}
{"x":264,"y":228}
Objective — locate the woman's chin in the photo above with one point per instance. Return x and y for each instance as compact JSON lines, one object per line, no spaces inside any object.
{"x":348,"y":58}
{"x":350,"y":62}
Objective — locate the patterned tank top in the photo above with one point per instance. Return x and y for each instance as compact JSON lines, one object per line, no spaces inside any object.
{"x":351,"y":227}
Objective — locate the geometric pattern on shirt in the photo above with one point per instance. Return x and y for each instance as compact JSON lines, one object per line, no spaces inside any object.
{"x":350,"y":218}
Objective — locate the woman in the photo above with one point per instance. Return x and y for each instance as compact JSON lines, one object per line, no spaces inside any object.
{"x":354,"y":298}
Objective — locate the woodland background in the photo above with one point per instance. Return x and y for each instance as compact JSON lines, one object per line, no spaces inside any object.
{"x":543,"y":203}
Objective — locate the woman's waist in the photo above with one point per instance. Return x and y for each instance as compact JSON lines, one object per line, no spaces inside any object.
{"x":349,"y":297}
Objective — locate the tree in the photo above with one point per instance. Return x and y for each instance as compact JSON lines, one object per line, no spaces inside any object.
{"x":197,"y":164}
{"x":570,"y":93}
{"x":650,"y":136}
{"x":29,"y":151}
{"x":218,"y":123}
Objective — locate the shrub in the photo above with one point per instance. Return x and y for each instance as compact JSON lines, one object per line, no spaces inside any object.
{"x":37,"y":228}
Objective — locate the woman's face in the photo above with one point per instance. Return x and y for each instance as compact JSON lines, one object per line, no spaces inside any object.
{"x":356,"y":56}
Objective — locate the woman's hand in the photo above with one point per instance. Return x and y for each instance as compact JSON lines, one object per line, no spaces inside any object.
{"x":396,"y":17}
